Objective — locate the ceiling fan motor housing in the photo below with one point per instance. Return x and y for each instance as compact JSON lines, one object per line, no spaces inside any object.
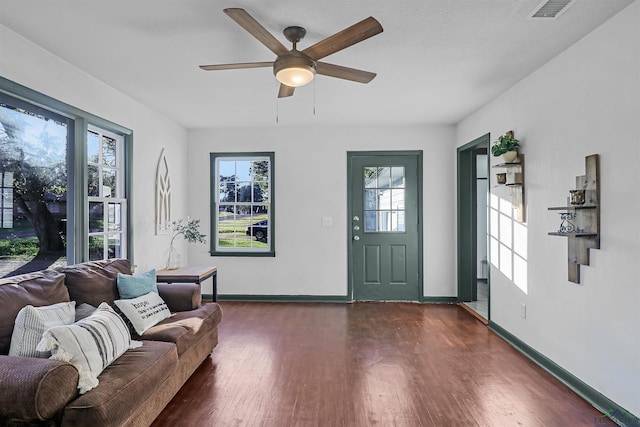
{"x":294,"y":69}
{"x":294,"y":34}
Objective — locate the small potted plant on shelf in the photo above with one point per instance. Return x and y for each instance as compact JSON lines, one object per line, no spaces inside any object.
{"x":507,"y":147}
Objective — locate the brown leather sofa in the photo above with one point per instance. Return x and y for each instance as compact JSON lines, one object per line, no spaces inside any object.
{"x":135,"y":388}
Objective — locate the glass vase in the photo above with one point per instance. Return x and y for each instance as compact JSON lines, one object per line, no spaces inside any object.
{"x":173,"y":258}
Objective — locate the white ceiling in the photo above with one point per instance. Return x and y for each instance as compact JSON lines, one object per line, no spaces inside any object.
{"x":437,"y":60}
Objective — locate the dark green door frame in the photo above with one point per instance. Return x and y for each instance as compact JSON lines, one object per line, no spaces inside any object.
{"x":467,"y":217}
{"x":351,"y":156}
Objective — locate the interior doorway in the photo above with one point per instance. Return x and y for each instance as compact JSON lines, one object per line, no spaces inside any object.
{"x":473,"y":193}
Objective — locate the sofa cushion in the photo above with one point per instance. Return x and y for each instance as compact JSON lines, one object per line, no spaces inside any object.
{"x":185,"y":328}
{"x":133,"y":286}
{"x":94,"y":282}
{"x":32,"y":322}
{"x":91,"y":344}
{"x":37,"y":289}
{"x":84,"y":310}
{"x":143,"y":312}
{"x":128,"y":382}
{"x":180,"y":296}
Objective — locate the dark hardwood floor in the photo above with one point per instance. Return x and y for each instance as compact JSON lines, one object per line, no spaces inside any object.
{"x":368,"y":364}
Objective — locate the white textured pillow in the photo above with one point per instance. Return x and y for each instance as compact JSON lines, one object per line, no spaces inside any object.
{"x":90,"y":344}
{"x":143,"y":312}
{"x":31,"y":322}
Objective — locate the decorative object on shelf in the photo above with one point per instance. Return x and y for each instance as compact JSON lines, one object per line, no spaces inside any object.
{"x":566,"y":226}
{"x":582,"y":213}
{"x":163,"y":195}
{"x":514,"y":176}
{"x":506,"y":146}
{"x":190,"y":230}
{"x":577,"y":197}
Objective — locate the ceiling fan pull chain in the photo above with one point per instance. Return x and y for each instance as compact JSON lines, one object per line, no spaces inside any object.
{"x":277,"y":110}
{"x":314,"y":97}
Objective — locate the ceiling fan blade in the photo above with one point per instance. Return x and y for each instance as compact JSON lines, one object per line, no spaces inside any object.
{"x":236,"y":66}
{"x":346,"y":73}
{"x":247,"y":22}
{"x":354,"y":34}
{"x":285,"y":91}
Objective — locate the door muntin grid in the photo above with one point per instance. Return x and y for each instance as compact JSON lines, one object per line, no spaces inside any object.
{"x":384,"y":190}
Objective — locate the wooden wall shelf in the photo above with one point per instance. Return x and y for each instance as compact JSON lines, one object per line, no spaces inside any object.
{"x":585,"y":219}
{"x":515,"y":183}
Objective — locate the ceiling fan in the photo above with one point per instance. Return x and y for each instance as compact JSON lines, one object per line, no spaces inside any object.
{"x":294,"y":68}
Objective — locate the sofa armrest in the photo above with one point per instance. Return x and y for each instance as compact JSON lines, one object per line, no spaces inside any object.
{"x":180,"y":296}
{"x":33,"y":389}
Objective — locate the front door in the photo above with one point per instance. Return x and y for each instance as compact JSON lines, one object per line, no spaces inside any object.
{"x":385,"y":233}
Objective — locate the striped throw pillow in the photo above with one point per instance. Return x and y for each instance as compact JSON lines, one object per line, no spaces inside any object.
{"x":90,"y":344}
{"x":32,"y":322}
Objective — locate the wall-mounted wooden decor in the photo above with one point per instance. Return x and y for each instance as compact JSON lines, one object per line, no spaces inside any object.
{"x":515,"y":181}
{"x":580,"y":219}
{"x":163,"y":196}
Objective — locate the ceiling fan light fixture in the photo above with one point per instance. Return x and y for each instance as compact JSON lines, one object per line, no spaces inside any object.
{"x":295,"y":76}
{"x":294,"y":70}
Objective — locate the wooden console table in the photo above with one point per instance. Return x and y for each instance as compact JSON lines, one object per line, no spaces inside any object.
{"x":190,"y":275}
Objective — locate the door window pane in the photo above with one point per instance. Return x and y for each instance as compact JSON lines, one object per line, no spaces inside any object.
{"x":370,"y":199}
{"x":397,"y":199}
{"x":384,"y":199}
{"x":397,"y":177}
{"x":384,"y":177}
{"x":370,"y":177}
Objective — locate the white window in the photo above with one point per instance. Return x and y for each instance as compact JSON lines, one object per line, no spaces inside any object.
{"x":107,"y":203}
{"x":242,"y":204}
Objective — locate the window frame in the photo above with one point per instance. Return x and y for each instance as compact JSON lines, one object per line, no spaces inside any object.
{"x":215,"y":203}
{"x":119,"y":198}
{"x":77,"y":203}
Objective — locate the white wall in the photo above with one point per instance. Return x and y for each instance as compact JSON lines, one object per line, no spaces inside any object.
{"x":311,"y":182}
{"x":29,"y":65}
{"x":585,"y":101}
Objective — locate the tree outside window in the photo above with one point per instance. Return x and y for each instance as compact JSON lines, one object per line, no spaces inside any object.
{"x":33,"y":170}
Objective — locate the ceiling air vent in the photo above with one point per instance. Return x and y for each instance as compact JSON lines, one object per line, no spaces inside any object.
{"x":552,"y":8}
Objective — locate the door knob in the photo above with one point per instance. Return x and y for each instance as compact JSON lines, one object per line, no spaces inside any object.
{"x":356,"y":238}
